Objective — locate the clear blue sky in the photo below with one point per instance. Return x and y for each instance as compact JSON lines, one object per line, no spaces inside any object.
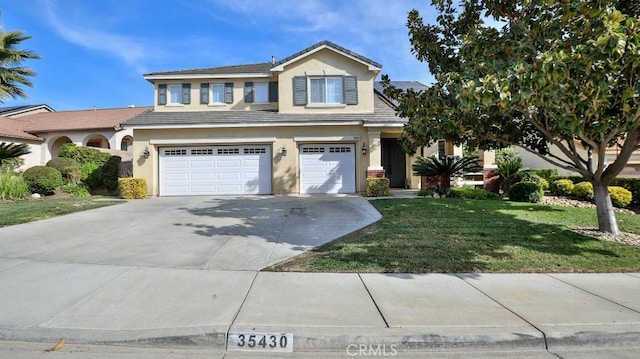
{"x":95,"y":52}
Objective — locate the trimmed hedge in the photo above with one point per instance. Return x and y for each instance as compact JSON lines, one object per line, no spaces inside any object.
{"x":583,"y":191}
{"x":68,"y":167}
{"x":545,"y":173}
{"x":132,"y":188}
{"x":98,"y":169}
{"x":562,"y":187}
{"x":378,"y":187}
{"x":631,"y":184}
{"x":43,"y":179}
{"x":526,"y":192}
{"x":620,"y":196}
{"x":470,"y":192}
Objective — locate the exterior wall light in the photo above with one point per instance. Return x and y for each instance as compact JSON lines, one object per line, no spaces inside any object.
{"x":283,"y":151}
{"x":146,"y":153}
{"x":364,"y":148}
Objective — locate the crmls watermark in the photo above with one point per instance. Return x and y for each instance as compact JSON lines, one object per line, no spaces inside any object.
{"x":372,"y":350}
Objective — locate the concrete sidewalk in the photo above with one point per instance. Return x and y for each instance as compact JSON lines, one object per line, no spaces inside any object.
{"x":338,"y":313}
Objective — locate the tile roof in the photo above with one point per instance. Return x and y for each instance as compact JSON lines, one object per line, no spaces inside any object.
{"x":402,"y":85}
{"x":81,"y":119}
{"x":15,"y":128}
{"x":221,"y":70}
{"x":383,"y":114}
{"x":263,"y":67}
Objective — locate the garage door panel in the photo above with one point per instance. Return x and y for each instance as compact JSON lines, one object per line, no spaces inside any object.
{"x":211,"y":170}
{"x":327,"y":168}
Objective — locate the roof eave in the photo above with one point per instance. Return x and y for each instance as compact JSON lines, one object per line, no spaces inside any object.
{"x":152,"y":78}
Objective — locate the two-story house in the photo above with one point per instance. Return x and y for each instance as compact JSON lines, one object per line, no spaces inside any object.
{"x":309,"y":123}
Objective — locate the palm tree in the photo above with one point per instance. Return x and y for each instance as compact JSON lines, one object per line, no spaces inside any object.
{"x":12,"y":74}
{"x":443,"y":168}
{"x":12,"y":150}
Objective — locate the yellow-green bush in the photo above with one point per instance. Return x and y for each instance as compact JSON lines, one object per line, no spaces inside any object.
{"x":620,"y":196}
{"x":132,"y":188}
{"x":562,"y":187}
{"x":583,"y":191}
{"x":544,"y":184}
{"x":378,"y":187}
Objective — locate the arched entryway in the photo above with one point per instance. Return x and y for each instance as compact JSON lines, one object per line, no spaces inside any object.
{"x":96,"y":141}
{"x":55,"y":145}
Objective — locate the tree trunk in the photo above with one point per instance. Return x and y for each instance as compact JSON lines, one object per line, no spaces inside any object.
{"x":445,"y":184}
{"x":604,"y":208}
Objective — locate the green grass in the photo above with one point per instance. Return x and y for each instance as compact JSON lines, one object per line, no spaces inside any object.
{"x":454,"y":235}
{"x":33,"y":210}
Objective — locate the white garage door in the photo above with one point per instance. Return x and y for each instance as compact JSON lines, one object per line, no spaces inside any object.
{"x":327,"y":168}
{"x":214,"y":170}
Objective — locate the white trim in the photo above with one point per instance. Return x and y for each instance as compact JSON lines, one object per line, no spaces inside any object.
{"x":325,"y":73}
{"x":281,"y":66}
{"x":325,"y":105}
{"x":384,"y":125}
{"x":327,"y":138}
{"x":208,"y":76}
{"x":243,"y":125}
{"x":183,"y":141}
{"x":375,"y":168}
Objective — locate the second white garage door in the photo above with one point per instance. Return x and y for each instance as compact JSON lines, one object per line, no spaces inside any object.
{"x":327,"y":168}
{"x":214,"y":170}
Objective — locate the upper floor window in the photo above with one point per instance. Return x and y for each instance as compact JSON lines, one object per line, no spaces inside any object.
{"x":261,"y":92}
{"x":326,"y":90}
{"x":329,"y":90}
{"x":217,"y":93}
{"x":174,"y":94}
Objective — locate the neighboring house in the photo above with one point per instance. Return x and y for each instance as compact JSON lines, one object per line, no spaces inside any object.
{"x":45,"y":132}
{"x":19,"y":111}
{"x":309,"y":123}
{"x":532,"y":161}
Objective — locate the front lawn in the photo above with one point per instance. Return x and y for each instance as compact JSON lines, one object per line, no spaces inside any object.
{"x":454,"y":235}
{"x":33,"y":210}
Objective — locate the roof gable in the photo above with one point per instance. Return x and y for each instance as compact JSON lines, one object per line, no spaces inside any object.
{"x":16,"y":111}
{"x":371,"y":65}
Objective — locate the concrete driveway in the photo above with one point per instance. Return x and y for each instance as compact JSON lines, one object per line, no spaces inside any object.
{"x":222,"y":233}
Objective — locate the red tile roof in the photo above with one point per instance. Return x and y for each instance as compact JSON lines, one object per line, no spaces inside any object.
{"x":81,"y":119}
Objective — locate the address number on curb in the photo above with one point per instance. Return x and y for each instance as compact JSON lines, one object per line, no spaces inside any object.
{"x":269,"y":342}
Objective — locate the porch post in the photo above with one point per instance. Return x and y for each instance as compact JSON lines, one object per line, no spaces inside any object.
{"x":375,"y":155}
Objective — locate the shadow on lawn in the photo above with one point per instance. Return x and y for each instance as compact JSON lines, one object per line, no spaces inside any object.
{"x":418,"y":236}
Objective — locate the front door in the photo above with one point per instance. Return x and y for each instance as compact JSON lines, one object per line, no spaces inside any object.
{"x":394,"y":162}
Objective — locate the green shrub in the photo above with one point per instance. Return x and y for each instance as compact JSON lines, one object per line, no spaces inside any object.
{"x":508,"y":173}
{"x":470,"y":192}
{"x":562,"y":187}
{"x":631,"y":184}
{"x":528,"y":176}
{"x":98,"y":169}
{"x":68,"y":167}
{"x":43,"y":179}
{"x":378,"y":187}
{"x":82,"y":154}
{"x":75,"y":189}
{"x":526,"y":192}
{"x":133,"y":188}
{"x":544,"y":184}
{"x":11,"y":164}
{"x":620,"y":196}
{"x":574,"y":179}
{"x":545,"y":173}
{"x":13,"y":187}
{"x":507,"y":154}
{"x":423,"y":192}
{"x":583,"y":191}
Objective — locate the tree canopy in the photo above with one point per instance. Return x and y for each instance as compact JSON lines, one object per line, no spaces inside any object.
{"x":12,"y":74}
{"x":559,"y":79}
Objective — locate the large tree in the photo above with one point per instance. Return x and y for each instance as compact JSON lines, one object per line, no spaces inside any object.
{"x":12,"y":74}
{"x":560,"y":79}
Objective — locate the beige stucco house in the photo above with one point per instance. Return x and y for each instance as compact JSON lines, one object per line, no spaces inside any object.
{"x":310,"y":123}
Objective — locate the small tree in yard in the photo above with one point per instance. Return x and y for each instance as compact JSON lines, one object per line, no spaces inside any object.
{"x":11,"y":150}
{"x":552,"y":73}
{"x":443,"y":168}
